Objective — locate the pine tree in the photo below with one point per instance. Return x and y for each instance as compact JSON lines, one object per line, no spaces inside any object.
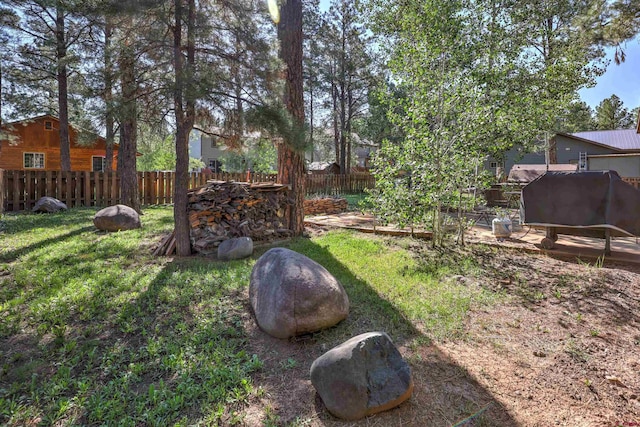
{"x":47,"y":34}
{"x":611,"y":114}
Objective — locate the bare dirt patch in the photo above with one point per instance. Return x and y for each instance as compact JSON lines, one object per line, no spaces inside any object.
{"x":562,"y":349}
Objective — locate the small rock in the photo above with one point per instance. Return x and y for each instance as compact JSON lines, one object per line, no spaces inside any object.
{"x":236,"y":248}
{"x":116,"y":218}
{"x":540,"y":354}
{"x":362,"y":376}
{"x":49,"y":205}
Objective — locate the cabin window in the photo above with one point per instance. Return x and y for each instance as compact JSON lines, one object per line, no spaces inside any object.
{"x":34,"y":160}
{"x":493,"y":165}
{"x":48,"y":125}
{"x":98,"y":163}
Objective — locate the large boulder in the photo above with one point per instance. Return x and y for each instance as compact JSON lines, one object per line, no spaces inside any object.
{"x":362,"y":376}
{"x":292,"y":294}
{"x":116,"y":218}
{"x":49,"y":205}
{"x":236,"y":248}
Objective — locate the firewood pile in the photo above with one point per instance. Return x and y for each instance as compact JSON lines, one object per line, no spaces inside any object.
{"x":329,"y":205}
{"x":221,"y":210}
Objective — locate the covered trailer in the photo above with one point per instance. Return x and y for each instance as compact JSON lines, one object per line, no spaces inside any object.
{"x":591,"y":204}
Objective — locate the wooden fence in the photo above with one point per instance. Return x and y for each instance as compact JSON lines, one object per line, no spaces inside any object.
{"x":20,"y":190}
{"x":339,"y":184}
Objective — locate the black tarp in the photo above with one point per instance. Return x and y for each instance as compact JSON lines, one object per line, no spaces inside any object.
{"x":582,"y":203}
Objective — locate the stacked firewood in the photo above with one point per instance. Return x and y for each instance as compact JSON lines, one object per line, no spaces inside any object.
{"x":329,"y":205}
{"x":221,"y":210}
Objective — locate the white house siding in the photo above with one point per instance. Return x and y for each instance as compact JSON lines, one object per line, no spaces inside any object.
{"x":210,"y":152}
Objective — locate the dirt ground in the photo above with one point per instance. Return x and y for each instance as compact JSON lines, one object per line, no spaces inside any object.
{"x":563,"y":350}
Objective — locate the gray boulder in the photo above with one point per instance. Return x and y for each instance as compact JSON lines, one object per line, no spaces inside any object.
{"x":116,"y":218}
{"x":291,"y":294}
{"x":362,"y":376}
{"x":236,"y":248}
{"x":49,"y":205}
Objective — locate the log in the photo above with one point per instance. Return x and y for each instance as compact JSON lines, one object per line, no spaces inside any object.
{"x":221,"y":210}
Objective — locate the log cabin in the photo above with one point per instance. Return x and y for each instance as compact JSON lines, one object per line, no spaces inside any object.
{"x":34,"y":144}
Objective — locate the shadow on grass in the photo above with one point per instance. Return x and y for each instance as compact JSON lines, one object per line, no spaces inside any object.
{"x":444,"y":393}
{"x":139,"y":353}
{"x":11,"y":256}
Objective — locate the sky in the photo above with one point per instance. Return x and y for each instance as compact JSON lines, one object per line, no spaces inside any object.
{"x":622,"y":80}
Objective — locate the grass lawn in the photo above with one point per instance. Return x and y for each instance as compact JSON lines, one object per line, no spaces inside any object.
{"x":94,"y":330}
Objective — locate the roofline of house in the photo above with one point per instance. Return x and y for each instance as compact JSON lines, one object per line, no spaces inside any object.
{"x":43,"y":116}
{"x":615,"y":155}
{"x":598,"y":144}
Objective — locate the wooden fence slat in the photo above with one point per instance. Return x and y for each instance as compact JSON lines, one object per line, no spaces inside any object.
{"x":41,"y":187}
{"x":28,"y":189}
{"x":18,"y":190}
{"x":87,"y":189}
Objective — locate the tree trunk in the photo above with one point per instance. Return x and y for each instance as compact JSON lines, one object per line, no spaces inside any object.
{"x":336,"y":129}
{"x":184,"y":107}
{"x":313,"y":146}
{"x":343,"y":95}
{"x":127,"y":168}
{"x":63,"y":101}
{"x":108,"y":96}
{"x":347,"y":171}
{"x":290,"y":162}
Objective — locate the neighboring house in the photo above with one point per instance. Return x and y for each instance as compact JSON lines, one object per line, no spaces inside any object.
{"x":323,"y":168}
{"x":617,"y":150}
{"x":211,"y":152}
{"x":34,"y":144}
{"x":364,"y":149}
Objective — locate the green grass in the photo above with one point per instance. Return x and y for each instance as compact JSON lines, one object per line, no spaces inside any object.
{"x":94,"y":330}
{"x":393,"y":287}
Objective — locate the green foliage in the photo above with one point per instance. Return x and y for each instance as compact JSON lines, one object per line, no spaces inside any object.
{"x":260,"y":156}
{"x":611,"y":114}
{"x":442,"y":116}
{"x":622,"y":24}
{"x":479,"y":78}
{"x":579,"y":118}
{"x":158,"y":152}
{"x":277,"y":121}
{"x":376,"y":126}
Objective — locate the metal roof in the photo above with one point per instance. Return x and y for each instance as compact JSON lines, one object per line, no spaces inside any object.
{"x":622,"y":139}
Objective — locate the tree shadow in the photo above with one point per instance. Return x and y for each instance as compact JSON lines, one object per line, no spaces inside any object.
{"x":444,"y":392}
{"x":11,"y":256}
